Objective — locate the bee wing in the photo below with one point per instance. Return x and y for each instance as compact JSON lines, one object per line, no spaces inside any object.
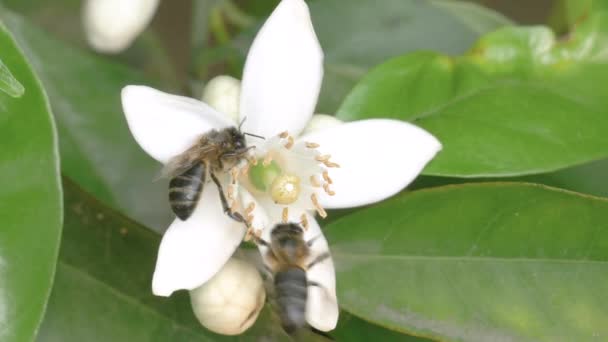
{"x":183,"y":162}
{"x":322,"y":309}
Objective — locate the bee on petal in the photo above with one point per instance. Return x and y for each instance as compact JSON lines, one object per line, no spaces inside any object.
{"x":288,"y":259}
{"x":214,"y":153}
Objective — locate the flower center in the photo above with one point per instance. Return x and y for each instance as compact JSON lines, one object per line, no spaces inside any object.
{"x":293,"y":174}
{"x":285,"y":189}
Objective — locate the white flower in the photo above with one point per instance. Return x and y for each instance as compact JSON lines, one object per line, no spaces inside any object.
{"x":231,"y":300}
{"x":112,"y":25}
{"x":281,"y":81}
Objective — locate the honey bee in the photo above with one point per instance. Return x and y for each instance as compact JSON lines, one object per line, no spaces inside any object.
{"x":288,"y":260}
{"x":214,"y":152}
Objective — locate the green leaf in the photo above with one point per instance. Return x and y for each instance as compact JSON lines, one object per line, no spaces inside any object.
{"x":30,"y":200}
{"x":478,"y":262}
{"x":8,"y":83}
{"x":103,"y":287}
{"x":520,"y":102}
{"x":358,"y":34}
{"x":97,"y":149}
{"x":352,"y":328}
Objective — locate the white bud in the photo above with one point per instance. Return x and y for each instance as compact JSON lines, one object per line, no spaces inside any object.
{"x":112,"y":25}
{"x":224,"y":94}
{"x":320,"y":122}
{"x":230,"y":302}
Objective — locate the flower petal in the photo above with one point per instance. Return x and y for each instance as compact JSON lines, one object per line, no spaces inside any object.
{"x":377,"y":158}
{"x":166,"y":125}
{"x":283,"y":73}
{"x":112,"y":25}
{"x":322,"y":309}
{"x":192,"y":251}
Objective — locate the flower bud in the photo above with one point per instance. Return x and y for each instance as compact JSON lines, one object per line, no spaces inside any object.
{"x":223,"y":93}
{"x":112,"y":25}
{"x":230,"y":302}
{"x":319,"y":122}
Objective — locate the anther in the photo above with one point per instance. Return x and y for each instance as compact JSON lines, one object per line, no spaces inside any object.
{"x":323,"y":158}
{"x":326,"y":177}
{"x":289,"y":143}
{"x":314,"y":181}
{"x":267,"y":160}
{"x":245,"y":170}
{"x":250,"y":208}
{"x":318,"y":206}
{"x":304,"y":221}
{"x":284,"y":135}
{"x":312,"y":145}
{"x":330,"y":164}
{"x":234,"y":172}
{"x":328,"y":190}
{"x":285,"y":214}
{"x":230,"y":191}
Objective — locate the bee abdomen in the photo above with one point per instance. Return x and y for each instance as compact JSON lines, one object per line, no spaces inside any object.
{"x":291,"y":292}
{"x":185,"y":191}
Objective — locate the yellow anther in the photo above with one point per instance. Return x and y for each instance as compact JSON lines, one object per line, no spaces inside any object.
{"x":326,"y":177}
{"x":312,"y":145}
{"x":304,"y":221}
{"x":328,"y":190}
{"x":284,"y":135}
{"x":250,"y":208}
{"x":323,"y":158}
{"x":289,"y":143}
{"x":267,"y":160}
{"x":330,"y":164}
{"x":318,"y":206}
{"x":285,"y":215}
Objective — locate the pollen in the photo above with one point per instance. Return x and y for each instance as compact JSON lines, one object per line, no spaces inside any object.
{"x":285,"y":189}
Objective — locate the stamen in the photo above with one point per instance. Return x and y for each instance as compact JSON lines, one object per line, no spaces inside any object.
{"x":330,"y":164}
{"x":314,"y":181}
{"x":249,"y":219}
{"x":318,"y":206}
{"x":312,"y":145}
{"x":289,"y":143}
{"x":284,"y":134}
{"x":267,"y":160}
{"x":326,"y":177}
{"x":230,"y":192}
{"x":245,"y":170}
{"x":250,"y":208}
{"x":253,"y":161}
{"x":328,"y":190}
{"x":304,"y":221}
{"x":323,"y":158}
{"x":285,"y":214}
{"x":234,"y":206}
{"x":234,"y":172}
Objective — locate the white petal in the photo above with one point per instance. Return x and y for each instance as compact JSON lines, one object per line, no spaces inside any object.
{"x":377,"y":159}
{"x":194,"y":250}
{"x":166,"y":125}
{"x":322,"y":309}
{"x":283,"y":73}
{"x":112,"y":25}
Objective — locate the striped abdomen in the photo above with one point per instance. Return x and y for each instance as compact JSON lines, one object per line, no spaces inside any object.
{"x":291,"y":292}
{"x":185,"y":190}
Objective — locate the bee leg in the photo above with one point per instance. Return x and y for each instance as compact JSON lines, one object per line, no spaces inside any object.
{"x":318,"y":259}
{"x":311,"y":241}
{"x":233,"y":215}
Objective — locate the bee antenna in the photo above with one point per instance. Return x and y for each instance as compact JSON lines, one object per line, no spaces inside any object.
{"x":242,"y":122}
{"x":254,"y":135}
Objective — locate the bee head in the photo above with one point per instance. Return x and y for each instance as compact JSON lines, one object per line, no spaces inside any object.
{"x":236,"y":141}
